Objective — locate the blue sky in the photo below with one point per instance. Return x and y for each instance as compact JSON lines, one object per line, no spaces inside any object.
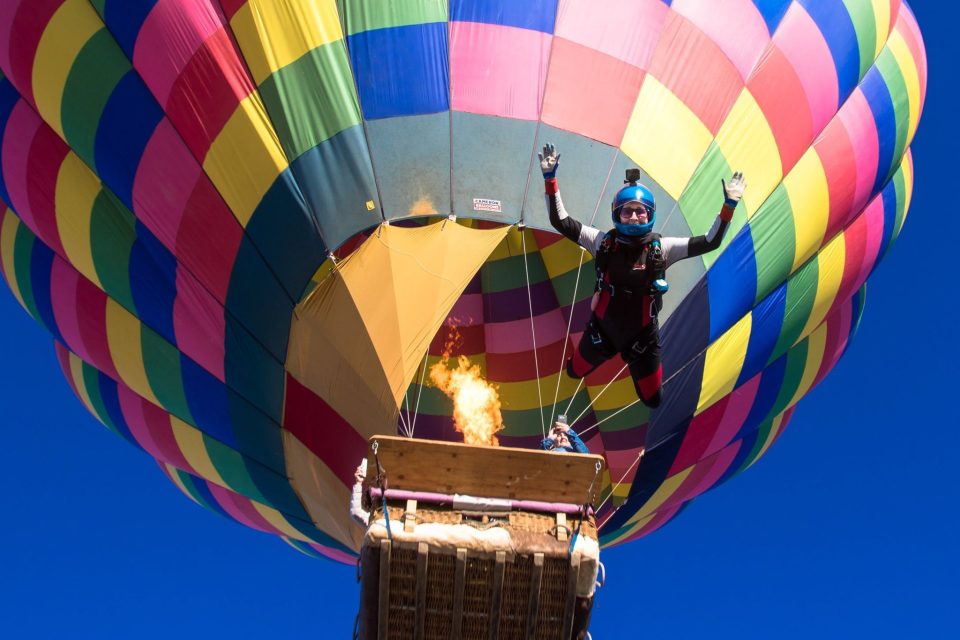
{"x":845,"y":528}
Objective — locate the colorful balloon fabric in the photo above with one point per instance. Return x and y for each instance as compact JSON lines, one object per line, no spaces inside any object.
{"x":195,"y":192}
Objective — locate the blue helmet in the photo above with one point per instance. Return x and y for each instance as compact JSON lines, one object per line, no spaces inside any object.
{"x":633,"y":193}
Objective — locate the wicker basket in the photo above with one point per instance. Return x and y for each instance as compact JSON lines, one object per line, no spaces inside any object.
{"x":442,"y":574}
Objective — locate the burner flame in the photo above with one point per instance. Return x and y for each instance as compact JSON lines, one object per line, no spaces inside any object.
{"x":476,"y":402}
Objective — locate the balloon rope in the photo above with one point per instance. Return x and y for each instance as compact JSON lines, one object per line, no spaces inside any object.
{"x":533,"y":330}
{"x":403,"y":424}
{"x":614,"y":488}
{"x":573,"y":302}
{"x":406,"y":402}
{"x":416,"y":407}
{"x":381,"y":481}
{"x":544,"y":72}
{"x":585,"y":509}
{"x":602,"y":391}
{"x":572,"y":398}
{"x":596,"y":208}
{"x":620,"y":410}
{"x":643,"y":451}
{"x":566,"y":339}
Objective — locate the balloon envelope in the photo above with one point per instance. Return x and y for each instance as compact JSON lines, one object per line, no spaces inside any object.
{"x":193,"y":191}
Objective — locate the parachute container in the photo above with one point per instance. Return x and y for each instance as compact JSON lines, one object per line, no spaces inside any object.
{"x":483,"y":542}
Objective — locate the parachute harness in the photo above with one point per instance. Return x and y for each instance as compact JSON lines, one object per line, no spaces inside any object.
{"x":381,"y":481}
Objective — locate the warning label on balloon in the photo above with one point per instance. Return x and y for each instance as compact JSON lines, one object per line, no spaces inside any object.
{"x":485,"y":204}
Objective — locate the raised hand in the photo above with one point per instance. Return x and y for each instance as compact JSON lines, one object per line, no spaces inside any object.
{"x":549,"y":160}
{"x":733,"y":190}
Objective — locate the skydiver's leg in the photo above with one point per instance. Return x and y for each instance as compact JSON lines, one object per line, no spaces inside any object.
{"x":594,"y":349}
{"x":645,"y":369}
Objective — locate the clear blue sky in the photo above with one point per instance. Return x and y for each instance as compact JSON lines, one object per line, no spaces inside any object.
{"x":848,"y":527}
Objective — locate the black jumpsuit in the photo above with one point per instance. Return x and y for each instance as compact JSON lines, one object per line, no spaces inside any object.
{"x":624,"y":318}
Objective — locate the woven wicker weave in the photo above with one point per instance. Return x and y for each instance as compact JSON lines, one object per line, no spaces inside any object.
{"x":502,"y":585}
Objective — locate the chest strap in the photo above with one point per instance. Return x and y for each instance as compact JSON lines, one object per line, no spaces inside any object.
{"x":614,"y":291}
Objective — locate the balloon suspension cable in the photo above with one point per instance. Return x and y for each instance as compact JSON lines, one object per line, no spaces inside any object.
{"x":573,"y":301}
{"x":643,"y":452}
{"x":334,"y":264}
{"x":585,"y":508}
{"x":406,"y":403}
{"x":404,"y":427}
{"x":416,"y":407}
{"x":334,"y":268}
{"x":543,"y":72}
{"x":381,"y":481}
{"x":602,"y":391}
{"x":614,"y":488}
{"x":533,"y":330}
{"x":573,"y":397}
{"x":566,"y":340}
{"x":596,"y":208}
{"x":612,"y":415}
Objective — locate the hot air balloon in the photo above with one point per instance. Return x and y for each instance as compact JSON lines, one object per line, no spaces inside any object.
{"x":252,"y":225}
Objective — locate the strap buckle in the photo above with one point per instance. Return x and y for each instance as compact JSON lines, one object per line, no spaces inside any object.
{"x":612,"y":290}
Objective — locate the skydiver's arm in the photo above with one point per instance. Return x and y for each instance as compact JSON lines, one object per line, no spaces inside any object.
{"x":586,"y":236}
{"x":675,"y":249}
{"x":562,"y":222}
{"x":680,"y":248}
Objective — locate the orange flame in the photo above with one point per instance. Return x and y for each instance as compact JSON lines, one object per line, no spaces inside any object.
{"x":476,"y":402}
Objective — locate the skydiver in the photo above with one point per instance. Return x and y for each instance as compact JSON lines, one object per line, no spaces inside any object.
{"x":563,"y":439}
{"x":631,"y":262}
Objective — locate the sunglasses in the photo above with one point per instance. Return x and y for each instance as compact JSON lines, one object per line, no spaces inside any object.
{"x":637,"y":211}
